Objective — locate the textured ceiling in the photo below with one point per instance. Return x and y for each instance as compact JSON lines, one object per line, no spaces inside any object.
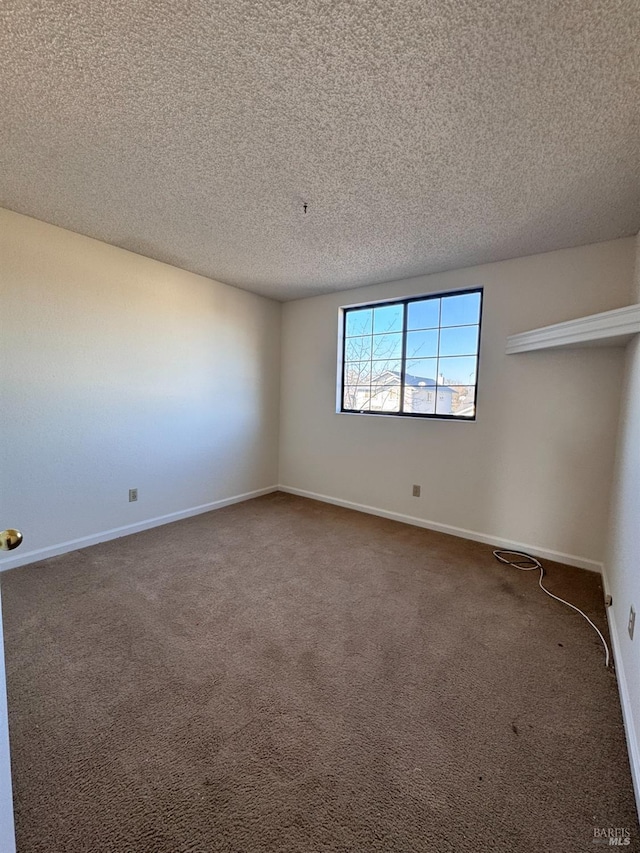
{"x":423,"y":135}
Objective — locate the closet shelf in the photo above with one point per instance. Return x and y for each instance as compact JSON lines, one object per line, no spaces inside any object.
{"x":610,"y":328}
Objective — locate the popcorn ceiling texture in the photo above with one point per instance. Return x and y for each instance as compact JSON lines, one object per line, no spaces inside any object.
{"x":423,"y":135}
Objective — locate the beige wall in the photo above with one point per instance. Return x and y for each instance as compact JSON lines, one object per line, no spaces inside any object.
{"x":535,"y":468}
{"x":7,"y":837}
{"x":120,"y":372}
{"x":622,"y":566}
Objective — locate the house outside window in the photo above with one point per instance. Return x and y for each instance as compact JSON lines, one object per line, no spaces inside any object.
{"x":414,"y":357}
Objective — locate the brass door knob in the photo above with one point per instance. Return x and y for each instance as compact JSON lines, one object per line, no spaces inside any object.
{"x":10,"y":539}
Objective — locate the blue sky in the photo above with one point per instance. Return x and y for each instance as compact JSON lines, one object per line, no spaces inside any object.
{"x":449,"y":351}
{"x":460,"y":310}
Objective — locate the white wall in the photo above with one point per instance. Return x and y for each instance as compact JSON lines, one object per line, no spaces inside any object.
{"x":536,"y":466}
{"x":622,"y":566}
{"x":121,"y":372}
{"x":7,"y":836}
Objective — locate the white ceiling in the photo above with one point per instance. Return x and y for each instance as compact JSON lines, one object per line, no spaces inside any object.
{"x":423,"y":135}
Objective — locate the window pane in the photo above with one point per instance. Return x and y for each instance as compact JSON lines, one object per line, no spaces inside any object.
{"x":457,"y":371}
{"x":359,"y":322}
{"x":357,"y":373}
{"x":422,"y":344}
{"x":439,"y":338}
{"x":460,"y":310}
{"x":463,"y":403}
{"x":387,"y":319}
{"x":357,"y":397}
{"x":387,"y":346}
{"x":385,"y":372}
{"x":444,"y":400}
{"x":421,"y":369}
{"x":385,"y":399}
{"x":357,"y":349}
{"x":420,"y":399}
{"x":424,"y":314}
{"x":459,"y":340}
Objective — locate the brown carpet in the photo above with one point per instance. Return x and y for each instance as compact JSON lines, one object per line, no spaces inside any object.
{"x":283,"y":675}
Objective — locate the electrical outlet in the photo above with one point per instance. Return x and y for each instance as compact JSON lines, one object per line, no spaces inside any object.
{"x":632,"y":622}
{"x":416,"y":491}
{"x":133,"y":495}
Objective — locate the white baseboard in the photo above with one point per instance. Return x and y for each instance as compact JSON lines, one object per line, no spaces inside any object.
{"x":487,"y":539}
{"x":24,"y":557}
{"x":625,"y":699}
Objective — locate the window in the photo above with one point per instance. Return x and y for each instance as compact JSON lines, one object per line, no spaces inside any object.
{"x":413,"y":357}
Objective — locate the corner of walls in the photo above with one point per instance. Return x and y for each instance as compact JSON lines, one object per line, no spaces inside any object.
{"x":122,"y":372}
{"x":278,"y":450}
{"x":535,"y":467}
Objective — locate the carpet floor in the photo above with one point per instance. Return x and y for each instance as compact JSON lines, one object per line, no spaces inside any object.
{"x":284,"y":675}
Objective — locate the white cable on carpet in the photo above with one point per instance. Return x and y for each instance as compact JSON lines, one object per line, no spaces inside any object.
{"x":536,"y":564}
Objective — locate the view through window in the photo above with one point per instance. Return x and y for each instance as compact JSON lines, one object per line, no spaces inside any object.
{"x":416,"y":357}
